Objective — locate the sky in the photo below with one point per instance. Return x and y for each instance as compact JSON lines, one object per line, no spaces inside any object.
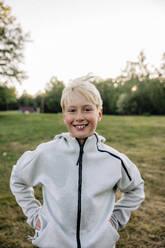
{"x":71,"y":38}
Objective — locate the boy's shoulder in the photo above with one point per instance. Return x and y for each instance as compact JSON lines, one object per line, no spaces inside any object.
{"x":114,"y":152}
{"x":45,"y":145}
{"x":111,"y":150}
{"x":58,"y":142}
{"x":51,"y":143}
{"x":40,"y":151}
{"x":106,"y":147}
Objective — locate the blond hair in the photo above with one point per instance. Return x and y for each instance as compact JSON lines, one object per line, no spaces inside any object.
{"x":82,"y":86}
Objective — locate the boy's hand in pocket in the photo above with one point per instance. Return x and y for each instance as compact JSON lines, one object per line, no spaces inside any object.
{"x":38,"y":225}
{"x":111,"y":223}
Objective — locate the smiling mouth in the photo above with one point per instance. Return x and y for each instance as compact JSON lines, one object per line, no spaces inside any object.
{"x":80,"y":127}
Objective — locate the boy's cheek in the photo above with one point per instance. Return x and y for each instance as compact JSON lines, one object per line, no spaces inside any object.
{"x":65,"y":119}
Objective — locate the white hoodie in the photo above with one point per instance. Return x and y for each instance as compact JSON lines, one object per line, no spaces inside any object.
{"x":79,"y":185}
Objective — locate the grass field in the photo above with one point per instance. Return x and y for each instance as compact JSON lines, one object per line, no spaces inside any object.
{"x":142,"y":139}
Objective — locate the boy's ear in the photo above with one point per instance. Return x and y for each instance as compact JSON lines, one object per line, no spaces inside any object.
{"x":100,"y":115}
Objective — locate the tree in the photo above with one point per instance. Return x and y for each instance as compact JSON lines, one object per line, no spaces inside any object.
{"x":39,"y":99}
{"x":7,"y":97}
{"x":137,"y":69}
{"x":142,"y":97}
{"x":12,"y":41}
{"x":109,"y":95}
{"x":162,"y":68}
{"x":53,"y":96}
{"x":26,"y":100}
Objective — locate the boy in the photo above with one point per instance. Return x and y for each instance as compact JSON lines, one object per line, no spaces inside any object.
{"x":79,"y":176}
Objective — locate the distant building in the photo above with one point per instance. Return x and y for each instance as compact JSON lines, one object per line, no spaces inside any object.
{"x":27,"y":110}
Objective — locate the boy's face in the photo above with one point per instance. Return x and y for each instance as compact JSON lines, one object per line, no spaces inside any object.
{"x":81,"y":117}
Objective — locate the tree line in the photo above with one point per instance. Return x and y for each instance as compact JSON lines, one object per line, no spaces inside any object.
{"x":125,"y":96}
{"x":138,"y":90}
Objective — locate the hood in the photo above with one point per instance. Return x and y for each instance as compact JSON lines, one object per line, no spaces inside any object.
{"x":68,"y":137}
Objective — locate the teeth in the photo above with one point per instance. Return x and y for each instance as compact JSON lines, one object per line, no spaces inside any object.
{"x":80,"y":126}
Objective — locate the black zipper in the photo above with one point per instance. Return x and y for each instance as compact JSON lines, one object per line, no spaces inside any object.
{"x":79,"y":163}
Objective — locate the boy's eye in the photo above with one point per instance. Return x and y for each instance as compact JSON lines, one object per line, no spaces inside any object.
{"x":87,"y":109}
{"x":71,"y":110}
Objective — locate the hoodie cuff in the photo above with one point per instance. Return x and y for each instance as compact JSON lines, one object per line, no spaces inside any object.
{"x":115,"y":221}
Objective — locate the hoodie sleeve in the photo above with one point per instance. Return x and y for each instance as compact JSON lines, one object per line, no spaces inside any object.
{"x":132,"y":187}
{"x":25,"y":175}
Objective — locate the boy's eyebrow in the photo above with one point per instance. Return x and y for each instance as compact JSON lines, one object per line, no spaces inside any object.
{"x":74,"y":106}
{"x":70,"y":106}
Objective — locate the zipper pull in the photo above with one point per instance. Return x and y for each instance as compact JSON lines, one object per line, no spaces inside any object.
{"x":79,"y":161}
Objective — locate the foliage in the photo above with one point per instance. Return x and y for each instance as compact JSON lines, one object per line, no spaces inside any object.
{"x":140,"y":69}
{"x":38,"y":99}
{"x":139,"y":90}
{"x":142,"y":97}
{"x":12,"y":41}
{"x":109,"y":95}
{"x":53,"y":95}
{"x":7,"y":97}
{"x":161,"y":72}
{"x":26,"y":100}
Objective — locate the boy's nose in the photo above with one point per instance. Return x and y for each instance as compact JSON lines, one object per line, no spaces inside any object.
{"x":79,"y":116}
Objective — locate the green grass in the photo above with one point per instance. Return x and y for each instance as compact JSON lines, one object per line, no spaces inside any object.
{"x":142,"y":139}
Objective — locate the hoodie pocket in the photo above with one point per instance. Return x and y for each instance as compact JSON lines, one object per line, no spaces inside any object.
{"x":42,"y":238}
{"x":43,"y":232}
{"x":113,"y":231}
{"x":106,"y":236}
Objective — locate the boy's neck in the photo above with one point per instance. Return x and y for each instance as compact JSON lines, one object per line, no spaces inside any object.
{"x":81,"y":141}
